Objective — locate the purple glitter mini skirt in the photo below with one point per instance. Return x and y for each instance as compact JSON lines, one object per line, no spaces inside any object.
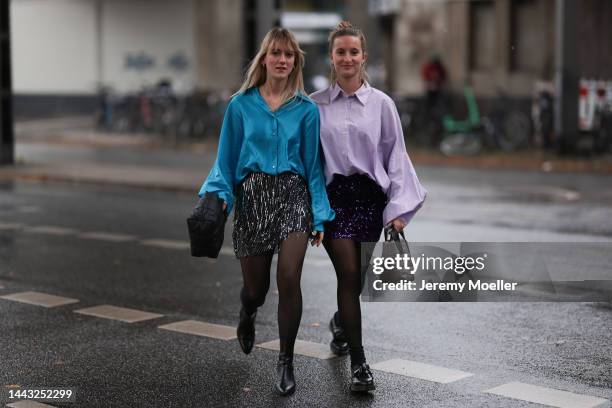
{"x":359,"y":204}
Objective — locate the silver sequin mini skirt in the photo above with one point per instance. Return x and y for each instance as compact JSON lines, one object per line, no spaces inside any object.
{"x":268,"y":209}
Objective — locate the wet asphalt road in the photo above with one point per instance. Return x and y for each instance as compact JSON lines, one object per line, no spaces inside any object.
{"x":558,"y":345}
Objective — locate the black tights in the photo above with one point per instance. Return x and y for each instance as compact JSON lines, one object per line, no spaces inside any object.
{"x":348,"y":261}
{"x":256,"y":276}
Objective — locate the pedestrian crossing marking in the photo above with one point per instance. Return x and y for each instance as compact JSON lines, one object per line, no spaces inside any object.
{"x":29,"y":209}
{"x":422,"y":371}
{"x":304,"y":348}
{"x":229,"y":251}
{"x":547,"y":396}
{"x":166,"y":243}
{"x":51,"y":230}
{"x":118,"y":313}
{"x":216,"y":331}
{"x":10,"y":226}
{"x":39,"y":299}
{"x":107,"y":236}
{"x":28,"y":404}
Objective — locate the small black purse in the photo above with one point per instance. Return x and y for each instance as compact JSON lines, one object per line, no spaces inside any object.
{"x":206,"y":226}
{"x":396,"y":244}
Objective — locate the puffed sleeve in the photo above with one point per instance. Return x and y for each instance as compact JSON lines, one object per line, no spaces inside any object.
{"x":313,"y":168}
{"x":222,"y":176}
{"x":405,"y":194}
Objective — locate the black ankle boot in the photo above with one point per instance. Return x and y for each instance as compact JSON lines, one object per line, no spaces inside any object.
{"x":362,"y":379}
{"x":285,"y":385}
{"x":246,"y":330}
{"x":339,"y":346}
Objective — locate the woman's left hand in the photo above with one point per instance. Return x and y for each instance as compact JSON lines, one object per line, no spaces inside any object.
{"x":316,"y":238}
{"x":398,"y":224}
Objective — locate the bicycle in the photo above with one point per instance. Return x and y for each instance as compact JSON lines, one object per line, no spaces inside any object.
{"x":508,"y":130}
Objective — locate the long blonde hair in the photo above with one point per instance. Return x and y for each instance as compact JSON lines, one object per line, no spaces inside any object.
{"x":346,"y":28}
{"x":256,"y":73}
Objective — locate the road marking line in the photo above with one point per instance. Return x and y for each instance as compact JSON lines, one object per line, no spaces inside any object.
{"x":11,"y":226}
{"x":318,"y":262}
{"x":547,"y":396}
{"x":216,"y":331}
{"x":28,"y":404}
{"x":107,"y":236}
{"x":305,"y":348}
{"x":166,"y":243}
{"x":29,"y":209}
{"x":118,"y":313}
{"x":229,"y":251}
{"x":51,"y":230}
{"x":420,"y":370}
{"x":39,"y":299}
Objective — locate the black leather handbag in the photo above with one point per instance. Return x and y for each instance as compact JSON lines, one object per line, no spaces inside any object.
{"x":206,"y":226}
{"x":396,"y":244}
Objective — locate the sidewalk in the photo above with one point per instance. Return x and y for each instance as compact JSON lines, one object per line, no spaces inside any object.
{"x":76,"y":153}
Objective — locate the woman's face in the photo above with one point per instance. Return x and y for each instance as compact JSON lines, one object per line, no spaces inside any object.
{"x":279,"y":61}
{"x":347,"y":56}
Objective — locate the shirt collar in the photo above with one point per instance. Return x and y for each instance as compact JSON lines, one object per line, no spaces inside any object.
{"x":361,"y":94}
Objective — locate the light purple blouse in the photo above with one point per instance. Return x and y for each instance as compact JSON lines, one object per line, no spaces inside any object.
{"x":362,"y":133}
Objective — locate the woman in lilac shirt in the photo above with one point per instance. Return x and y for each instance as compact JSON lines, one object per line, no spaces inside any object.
{"x":370,"y":183}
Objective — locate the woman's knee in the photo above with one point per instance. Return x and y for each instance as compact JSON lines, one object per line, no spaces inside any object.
{"x":288,"y":282}
{"x":254,"y":297}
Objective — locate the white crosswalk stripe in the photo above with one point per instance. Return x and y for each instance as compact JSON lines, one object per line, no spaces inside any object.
{"x":547,"y":396}
{"x":28,"y":404}
{"x":39,"y":299}
{"x":51,"y":230}
{"x":420,"y":370}
{"x":305,"y":348}
{"x":215,"y":331}
{"x":10,"y":226}
{"x":166,"y":243}
{"x":118,"y":313}
{"x":107,"y":236}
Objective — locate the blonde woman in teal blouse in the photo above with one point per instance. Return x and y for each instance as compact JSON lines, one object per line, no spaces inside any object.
{"x":269,"y":168}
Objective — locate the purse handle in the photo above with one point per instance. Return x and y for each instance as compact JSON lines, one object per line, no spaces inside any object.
{"x":392,"y":235}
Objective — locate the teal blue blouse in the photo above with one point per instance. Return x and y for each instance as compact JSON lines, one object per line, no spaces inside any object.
{"x":255,"y":139}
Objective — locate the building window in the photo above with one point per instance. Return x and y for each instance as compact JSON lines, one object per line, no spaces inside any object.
{"x":483,"y":35}
{"x":531,"y":37}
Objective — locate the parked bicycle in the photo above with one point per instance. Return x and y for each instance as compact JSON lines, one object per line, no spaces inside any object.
{"x":505,"y":129}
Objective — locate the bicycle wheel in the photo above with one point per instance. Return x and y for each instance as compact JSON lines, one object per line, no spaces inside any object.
{"x":515,"y":132}
{"x":461,"y":144}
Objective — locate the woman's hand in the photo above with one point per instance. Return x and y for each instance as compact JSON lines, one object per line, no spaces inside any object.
{"x":316,"y":237}
{"x":398,"y":224}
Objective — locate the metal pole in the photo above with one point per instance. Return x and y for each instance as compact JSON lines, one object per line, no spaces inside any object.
{"x":267,"y":16}
{"x":6,"y":94}
{"x":566,"y":74}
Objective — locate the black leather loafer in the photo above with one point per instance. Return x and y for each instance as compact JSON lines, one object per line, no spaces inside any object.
{"x":339,"y":346}
{"x":285,"y":384}
{"x":246,"y":331}
{"x":362,"y":379}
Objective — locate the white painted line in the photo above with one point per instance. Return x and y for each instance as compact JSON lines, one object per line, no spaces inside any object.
{"x":318,"y":262}
{"x":547,"y":396}
{"x":166,"y":243}
{"x":229,"y":251}
{"x":216,"y":331}
{"x":51,"y":230}
{"x":29,"y":209}
{"x":28,"y":404}
{"x":107,"y":236}
{"x":39,"y":299}
{"x":118,"y":313}
{"x":420,"y":370}
{"x":10,"y":226}
{"x":305,"y":348}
